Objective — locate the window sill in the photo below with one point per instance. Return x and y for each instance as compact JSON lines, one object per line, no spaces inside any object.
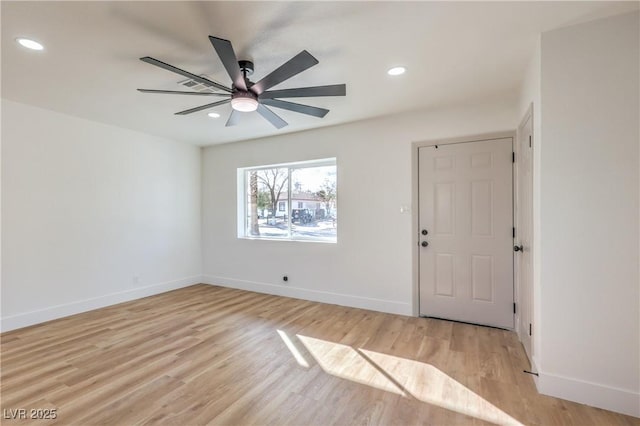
{"x":293,"y":240}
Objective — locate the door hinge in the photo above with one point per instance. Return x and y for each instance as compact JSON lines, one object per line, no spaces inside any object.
{"x":529,"y":329}
{"x":513,"y":156}
{"x":514,"y":232}
{"x":514,"y":307}
{"x":529,"y":141}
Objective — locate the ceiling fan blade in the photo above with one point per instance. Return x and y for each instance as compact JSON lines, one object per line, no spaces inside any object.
{"x":271,"y":116}
{"x":293,"y":66}
{"x":184,"y":73}
{"x":200,"y":108}
{"x":307,"y":92}
{"x":303,"y":109}
{"x":228,"y":57}
{"x":233,"y":118}
{"x":175,"y":92}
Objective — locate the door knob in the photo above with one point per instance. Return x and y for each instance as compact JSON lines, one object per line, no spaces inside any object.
{"x":424,"y":244}
{"x":518,"y":248}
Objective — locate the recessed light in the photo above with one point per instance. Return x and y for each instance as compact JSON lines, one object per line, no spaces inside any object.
{"x":29,"y":44}
{"x":214,"y":115}
{"x":397,"y":71}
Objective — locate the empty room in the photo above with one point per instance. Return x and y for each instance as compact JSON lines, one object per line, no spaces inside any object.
{"x":320,"y":213}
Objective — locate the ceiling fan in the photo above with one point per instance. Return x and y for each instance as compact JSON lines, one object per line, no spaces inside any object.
{"x":247,"y":96}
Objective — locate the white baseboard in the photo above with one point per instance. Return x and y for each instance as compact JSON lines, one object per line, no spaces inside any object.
{"x":59,"y":311}
{"x":379,"y":305}
{"x":594,"y":394}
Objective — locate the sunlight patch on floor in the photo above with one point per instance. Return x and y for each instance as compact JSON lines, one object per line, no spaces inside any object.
{"x":302,"y":362}
{"x":429,"y":384}
{"x":405,"y":377}
{"x":344,"y":362}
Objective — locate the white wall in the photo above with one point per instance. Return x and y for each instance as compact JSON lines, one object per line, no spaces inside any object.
{"x":371,"y":265}
{"x":85,"y":208}
{"x":590,"y":283}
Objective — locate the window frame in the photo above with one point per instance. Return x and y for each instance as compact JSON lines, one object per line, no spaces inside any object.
{"x":243,"y":188}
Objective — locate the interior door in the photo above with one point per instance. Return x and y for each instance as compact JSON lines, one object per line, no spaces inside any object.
{"x":466,"y":226}
{"x":524,"y":230}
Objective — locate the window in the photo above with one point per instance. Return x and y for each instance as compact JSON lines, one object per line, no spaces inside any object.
{"x":267,"y":193}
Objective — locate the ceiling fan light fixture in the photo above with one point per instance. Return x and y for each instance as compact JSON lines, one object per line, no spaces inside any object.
{"x":29,"y":44}
{"x":244,"y":102}
{"x":214,"y":115}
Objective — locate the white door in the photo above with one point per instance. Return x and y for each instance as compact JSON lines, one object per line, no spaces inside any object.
{"x":466,"y":210}
{"x":524,"y":230}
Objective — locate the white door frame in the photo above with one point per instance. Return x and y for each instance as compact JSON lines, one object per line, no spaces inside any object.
{"x":415,"y":214}
{"x":521,"y":297}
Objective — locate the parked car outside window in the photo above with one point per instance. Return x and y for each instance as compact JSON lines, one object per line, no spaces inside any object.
{"x":301,"y":216}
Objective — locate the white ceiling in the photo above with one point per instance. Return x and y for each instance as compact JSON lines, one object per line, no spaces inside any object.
{"x":455,"y":53}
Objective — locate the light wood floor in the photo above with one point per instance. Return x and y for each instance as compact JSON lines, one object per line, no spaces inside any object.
{"x":208,"y":354}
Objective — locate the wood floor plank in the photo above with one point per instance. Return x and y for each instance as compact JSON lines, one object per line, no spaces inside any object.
{"x":213,"y":355}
